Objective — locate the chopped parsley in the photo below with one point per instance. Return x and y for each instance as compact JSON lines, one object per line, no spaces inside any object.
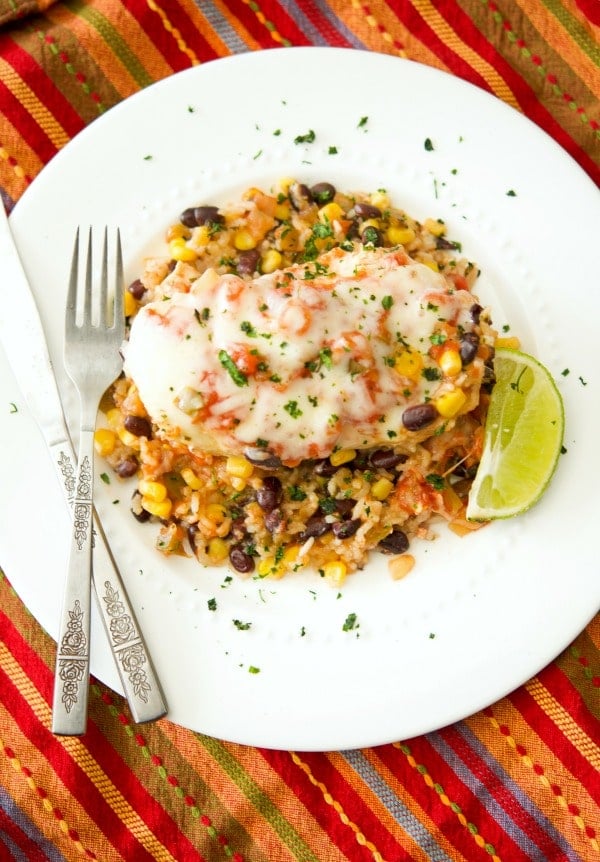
{"x":387,"y":302}
{"x":253,"y":669}
{"x":247,"y":327}
{"x":350,"y":623}
{"x":292,"y":408}
{"x":362,"y":122}
{"x":297,"y":494}
{"x":428,"y":145}
{"x":238,"y":377}
{"x":212,"y":604}
{"x":105,"y":478}
{"x":240,"y":626}
{"x":308,"y":138}
{"x":436,"y":481}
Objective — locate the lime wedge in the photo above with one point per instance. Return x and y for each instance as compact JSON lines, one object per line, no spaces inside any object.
{"x":523,"y":438}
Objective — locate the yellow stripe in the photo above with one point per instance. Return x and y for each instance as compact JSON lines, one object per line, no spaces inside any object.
{"x":561,"y":718}
{"x":450,"y":38}
{"x":551,"y":31}
{"x":181,"y":44}
{"x":80,"y":754}
{"x":42,"y":116}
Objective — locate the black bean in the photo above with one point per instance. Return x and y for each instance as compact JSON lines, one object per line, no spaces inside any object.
{"x":248,"y":261}
{"x":419,"y":416}
{"x":273,"y":520}
{"x":240,"y":560}
{"x":127,"y":468}
{"x":322,"y":193}
{"x":139,"y":426}
{"x":386,"y":459}
{"x":371,"y":236}
{"x":138,"y":512}
{"x":475,"y":312}
{"x":192,"y":532}
{"x":196,"y":216}
{"x":263,"y":458}
{"x":443,"y":243}
{"x":395,"y":543}
{"x":238,"y":529}
{"x":300,"y":196}
{"x":364,"y":210}
{"x":345,"y":529}
{"x":315,"y":526}
{"x":137,"y":289}
{"x":270,"y":493}
{"x":344,"y":506}
{"x":468,"y":347}
{"x":324,"y":467}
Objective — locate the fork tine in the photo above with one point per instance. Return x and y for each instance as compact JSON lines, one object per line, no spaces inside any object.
{"x":119,"y":300}
{"x":104,"y":282}
{"x":87,"y":304}
{"x":72,"y":292}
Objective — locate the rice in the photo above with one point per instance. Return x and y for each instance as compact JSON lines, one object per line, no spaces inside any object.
{"x":252,"y":513}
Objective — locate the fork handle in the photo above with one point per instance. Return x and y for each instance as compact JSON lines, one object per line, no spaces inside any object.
{"x":72,"y":670}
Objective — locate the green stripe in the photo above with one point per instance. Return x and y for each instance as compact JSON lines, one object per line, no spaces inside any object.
{"x":575,"y":30}
{"x":114,"y":40}
{"x":263,"y":804}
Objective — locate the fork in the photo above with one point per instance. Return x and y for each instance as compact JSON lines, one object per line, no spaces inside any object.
{"x":93,"y":337}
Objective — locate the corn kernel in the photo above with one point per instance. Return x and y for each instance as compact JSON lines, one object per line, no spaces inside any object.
{"x":512,"y":342}
{"x":331,"y":212}
{"x":291,"y":554}
{"x":282,"y":211}
{"x":382,"y":488}
{"x":201,"y":236}
{"x":335,"y":572}
{"x":409,"y":364}
{"x":370,"y":222}
{"x":114,"y":418}
{"x":450,"y":403}
{"x":400,"y":566}
{"x":238,"y":484}
{"x":437,"y":228}
{"x":190,"y":479}
{"x":283,"y":185}
{"x":380,"y":199}
{"x":159,"y":510}
{"x":432,"y":264}
{"x":342,"y":456}
{"x":104,"y":442}
{"x":216,"y":513}
{"x":176,"y":231}
{"x":450,"y":362}
{"x":270,"y":261}
{"x":128,"y":439}
{"x":400,"y":235}
{"x":238,"y":466}
{"x":266,"y":567}
{"x":129,"y":304}
{"x":243,"y":240}
{"x":180,"y":251}
{"x":151,"y":490}
{"x":218,"y":550}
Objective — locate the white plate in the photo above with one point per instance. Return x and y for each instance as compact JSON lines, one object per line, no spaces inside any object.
{"x":477,"y":616}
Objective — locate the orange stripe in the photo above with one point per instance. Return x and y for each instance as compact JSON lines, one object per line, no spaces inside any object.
{"x":573,"y":9}
{"x":552,"y":32}
{"x":79,"y":753}
{"x":42,"y":116}
{"x":449,"y":36}
{"x":563,"y":720}
{"x":209,"y":33}
{"x":101,"y":51}
{"x":537,"y":771}
{"x":41,"y":795}
{"x":593,"y":631}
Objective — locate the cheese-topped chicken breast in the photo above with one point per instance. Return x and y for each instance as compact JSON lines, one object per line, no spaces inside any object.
{"x":359,"y":349}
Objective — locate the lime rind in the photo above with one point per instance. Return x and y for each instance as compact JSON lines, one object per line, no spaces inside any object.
{"x":523,"y":438}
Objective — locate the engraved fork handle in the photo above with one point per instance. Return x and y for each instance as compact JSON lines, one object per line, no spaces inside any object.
{"x":133,"y":661}
{"x":72,"y":669}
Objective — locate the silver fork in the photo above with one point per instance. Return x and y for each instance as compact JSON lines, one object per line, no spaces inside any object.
{"x":93,"y":336}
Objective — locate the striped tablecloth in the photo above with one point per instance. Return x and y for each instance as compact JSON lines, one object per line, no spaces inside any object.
{"x":519,"y":780}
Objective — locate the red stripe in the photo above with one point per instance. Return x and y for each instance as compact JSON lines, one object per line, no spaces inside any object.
{"x":162,"y":40}
{"x":324,"y":25}
{"x":75,"y":779}
{"x":568,"y":696}
{"x":20,"y":839}
{"x":458,"y":794}
{"x":26,"y":126}
{"x":591,"y":10}
{"x":493,"y":785}
{"x":560,"y":746}
{"x":342,"y":836}
{"x":41,"y":84}
{"x":526,"y":97}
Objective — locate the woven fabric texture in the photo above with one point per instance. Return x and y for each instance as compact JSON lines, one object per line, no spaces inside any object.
{"x":518,"y":781}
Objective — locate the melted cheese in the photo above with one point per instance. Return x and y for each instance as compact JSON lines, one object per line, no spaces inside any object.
{"x":300,"y":361}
